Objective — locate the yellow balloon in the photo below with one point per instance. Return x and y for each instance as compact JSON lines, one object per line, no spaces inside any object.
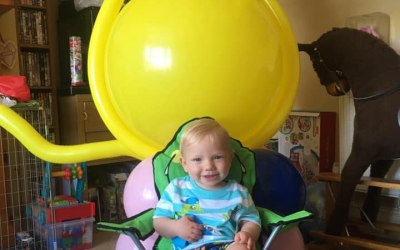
{"x":158,"y":63}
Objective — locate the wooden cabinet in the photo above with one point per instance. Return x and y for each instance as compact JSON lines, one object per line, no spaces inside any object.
{"x":81,"y":123}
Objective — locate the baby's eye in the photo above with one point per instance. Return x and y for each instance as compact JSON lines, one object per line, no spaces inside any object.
{"x":198,"y":159}
{"x":217,"y":157}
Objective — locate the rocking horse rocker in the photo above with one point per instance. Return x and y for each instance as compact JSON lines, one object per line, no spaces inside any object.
{"x":347,"y":59}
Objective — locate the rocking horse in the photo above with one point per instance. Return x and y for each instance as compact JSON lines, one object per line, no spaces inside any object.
{"x":347,"y":59}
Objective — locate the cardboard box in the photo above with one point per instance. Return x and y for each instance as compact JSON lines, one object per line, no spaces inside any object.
{"x":308,"y":139}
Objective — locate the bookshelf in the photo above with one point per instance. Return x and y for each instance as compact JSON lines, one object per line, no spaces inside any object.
{"x":36,"y":50}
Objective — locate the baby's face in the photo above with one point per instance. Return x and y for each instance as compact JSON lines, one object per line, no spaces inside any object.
{"x":207,"y":163}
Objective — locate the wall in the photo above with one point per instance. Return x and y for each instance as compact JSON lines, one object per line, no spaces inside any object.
{"x":310,"y":19}
{"x":9,"y":33}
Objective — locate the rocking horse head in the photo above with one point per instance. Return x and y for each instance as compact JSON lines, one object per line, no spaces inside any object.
{"x":334,"y":80}
{"x":346,"y":58}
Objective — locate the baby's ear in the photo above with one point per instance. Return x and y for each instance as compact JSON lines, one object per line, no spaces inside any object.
{"x":176,"y":156}
{"x":183,"y":164}
{"x":179,"y":158}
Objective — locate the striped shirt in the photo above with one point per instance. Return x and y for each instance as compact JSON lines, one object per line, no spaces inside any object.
{"x":219,"y":211}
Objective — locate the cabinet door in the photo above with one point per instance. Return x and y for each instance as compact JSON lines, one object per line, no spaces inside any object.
{"x":94,"y":127}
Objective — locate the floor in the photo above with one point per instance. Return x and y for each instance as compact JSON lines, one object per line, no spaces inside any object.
{"x":104,"y":240}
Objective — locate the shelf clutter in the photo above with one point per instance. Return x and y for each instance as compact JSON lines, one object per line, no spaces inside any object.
{"x":63,"y":221}
{"x":20,"y":175}
{"x":32,"y":215}
{"x":35,"y":51}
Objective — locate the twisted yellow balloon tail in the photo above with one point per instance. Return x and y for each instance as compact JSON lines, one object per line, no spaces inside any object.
{"x":40,"y":147}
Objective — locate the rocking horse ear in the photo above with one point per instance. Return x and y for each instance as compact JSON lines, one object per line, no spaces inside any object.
{"x":308,"y":48}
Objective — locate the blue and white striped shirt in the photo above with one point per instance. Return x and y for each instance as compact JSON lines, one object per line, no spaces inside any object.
{"x":219,"y":211}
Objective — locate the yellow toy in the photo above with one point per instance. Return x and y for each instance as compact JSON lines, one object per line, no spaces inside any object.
{"x":155,"y":64}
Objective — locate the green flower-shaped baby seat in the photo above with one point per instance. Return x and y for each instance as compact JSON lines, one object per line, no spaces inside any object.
{"x":166,"y":167}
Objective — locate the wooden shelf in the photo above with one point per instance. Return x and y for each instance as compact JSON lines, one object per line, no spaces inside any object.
{"x":354,"y":241}
{"x":34,"y":7}
{"x":368,"y":181}
{"x":110,"y":161}
{"x":391,"y":227}
{"x":34,"y":46}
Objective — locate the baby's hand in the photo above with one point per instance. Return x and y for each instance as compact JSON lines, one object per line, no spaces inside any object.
{"x":244,"y":237}
{"x":188,"y":230}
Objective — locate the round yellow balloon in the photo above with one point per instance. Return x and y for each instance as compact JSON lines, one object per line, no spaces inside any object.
{"x":158,"y":63}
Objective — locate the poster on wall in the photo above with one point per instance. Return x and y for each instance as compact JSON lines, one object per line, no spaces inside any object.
{"x":308,"y":139}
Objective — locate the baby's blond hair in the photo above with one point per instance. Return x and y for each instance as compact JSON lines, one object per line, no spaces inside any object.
{"x":199,"y":129}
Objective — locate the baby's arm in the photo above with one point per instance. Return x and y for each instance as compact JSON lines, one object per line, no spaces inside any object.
{"x":184,"y":228}
{"x":248,"y":234}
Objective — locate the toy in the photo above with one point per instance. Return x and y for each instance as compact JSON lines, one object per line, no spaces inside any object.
{"x":24,"y":240}
{"x":75,"y":173}
{"x":347,"y":59}
{"x":58,"y":208}
{"x":75,"y":176}
{"x":62,"y":201}
{"x":74,"y":234}
{"x":71,"y":236}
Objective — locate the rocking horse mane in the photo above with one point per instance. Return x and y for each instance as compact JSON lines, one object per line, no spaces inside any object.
{"x":369,"y":64}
